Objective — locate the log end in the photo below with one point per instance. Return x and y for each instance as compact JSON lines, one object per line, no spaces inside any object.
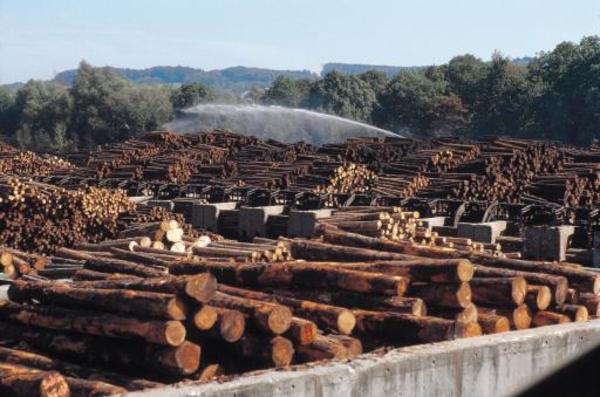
{"x":232,"y":326}
{"x":177,"y":309}
{"x":282,"y":351}
{"x":543,"y":298}
{"x":346,"y":321}
{"x":187,"y":357}
{"x":205,"y":318}
{"x":521,"y":317}
{"x":175,"y":333}
{"x":201,"y":287}
{"x":463,"y":295}
{"x":53,"y":384}
{"x":280,"y":319}
{"x":519,"y":290}
{"x":465,"y":270}
{"x":467,"y":329}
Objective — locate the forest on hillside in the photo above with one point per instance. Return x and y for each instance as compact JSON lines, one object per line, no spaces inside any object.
{"x":555,"y":95}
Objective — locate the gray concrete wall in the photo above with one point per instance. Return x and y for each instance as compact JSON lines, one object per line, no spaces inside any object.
{"x":493,"y":365}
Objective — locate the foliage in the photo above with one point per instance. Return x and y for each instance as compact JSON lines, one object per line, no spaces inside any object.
{"x":188,"y":95}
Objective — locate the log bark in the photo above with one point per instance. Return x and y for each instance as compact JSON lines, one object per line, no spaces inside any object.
{"x":558,"y":284}
{"x":443,"y":295}
{"x":498,"y":291}
{"x":134,"y":356}
{"x":327,"y":316}
{"x":169,"y":333}
{"x":19,"y":381}
{"x":201,"y":287}
{"x":140,"y":303}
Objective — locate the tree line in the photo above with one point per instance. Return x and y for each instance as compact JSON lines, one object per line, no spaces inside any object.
{"x":555,"y":96}
{"x":98,"y":108}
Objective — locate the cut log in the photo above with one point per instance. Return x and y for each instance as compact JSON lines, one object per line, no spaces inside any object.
{"x":19,"y":381}
{"x":442,"y":295}
{"x":544,"y":317}
{"x":170,"y":333}
{"x":498,"y":291}
{"x":140,"y":303}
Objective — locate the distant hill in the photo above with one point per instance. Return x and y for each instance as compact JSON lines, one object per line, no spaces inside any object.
{"x":390,"y":71}
{"x":234,"y":78}
{"x":357,"y":68}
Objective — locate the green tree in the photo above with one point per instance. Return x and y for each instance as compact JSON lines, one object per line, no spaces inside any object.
{"x":409,"y":103}
{"x":287,"y":92}
{"x":465,"y":74}
{"x":569,"y":105}
{"x":109,"y":108}
{"x":43,"y":111}
{"x":8,"y":112}
{"x":505,"y":100}
{"x":188,"y":95}
{"x":345,"y":95}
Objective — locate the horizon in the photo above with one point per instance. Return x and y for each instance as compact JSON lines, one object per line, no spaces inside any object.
{"x":285,"y":35}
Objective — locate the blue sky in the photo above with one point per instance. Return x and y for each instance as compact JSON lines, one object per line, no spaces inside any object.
{"x":43,"y":37}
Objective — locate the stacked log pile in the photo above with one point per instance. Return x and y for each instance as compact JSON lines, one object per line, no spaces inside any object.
{"x":30,"y":164}
{"x":40,"y":217}
{"x":505,"y":169}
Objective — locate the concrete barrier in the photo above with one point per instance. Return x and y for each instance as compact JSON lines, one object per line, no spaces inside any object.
{"x":492,"y":365}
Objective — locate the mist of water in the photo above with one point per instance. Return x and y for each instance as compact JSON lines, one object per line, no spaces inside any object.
{"x":273,"y":122}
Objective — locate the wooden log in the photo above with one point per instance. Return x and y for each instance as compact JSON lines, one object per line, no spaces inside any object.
{"x":38,"y":361}
{"x":520,"y":317}
{"x":545,"y":317}
{"x":327,"y":316}
{"x":140,"y":303}
{"x":205,"y":317}
{"x":310,"y":250}
{"x":409,"y":329}
{"x":493,"y":323}
{"x":170,"y":333}
{"x":275,"y":351}
{"x":313,"y":275}
{"x":576,"y":313}
{"x":135,"y":356}
{"x":498,"y":291}
{"x":19,"y":381}
{"x":408,"y":250}
{"x":110,"y":265}
{"x":584,"y":280}
{"x":538,"y":296}
{"x":201,"y":287}
{"x":301,"y":332}
{"x":269,"y":317}
{"x":427,"y":270}
{"x":92,"y":388}
{"x":353,"y":345}
{"x":322,"y":348}
{"x":442,"y":295}
{"x":558,"y":284}
{"x":591,"y":302}
{"x":231,"y":324}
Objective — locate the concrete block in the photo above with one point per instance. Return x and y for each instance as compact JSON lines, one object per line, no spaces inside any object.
{"x":436,"y":221}
{"x":486,"y":232}
{"x":205,"y":216}
{"x":490,"y":365}
{"x":185,"y":206}
{"x":302,"y":223}
{"x":168,"y":204}
{"x":139,"y":199}
{"x":253,"y":219}
{"x":547,"y":242}
{"x":449,"y":231}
